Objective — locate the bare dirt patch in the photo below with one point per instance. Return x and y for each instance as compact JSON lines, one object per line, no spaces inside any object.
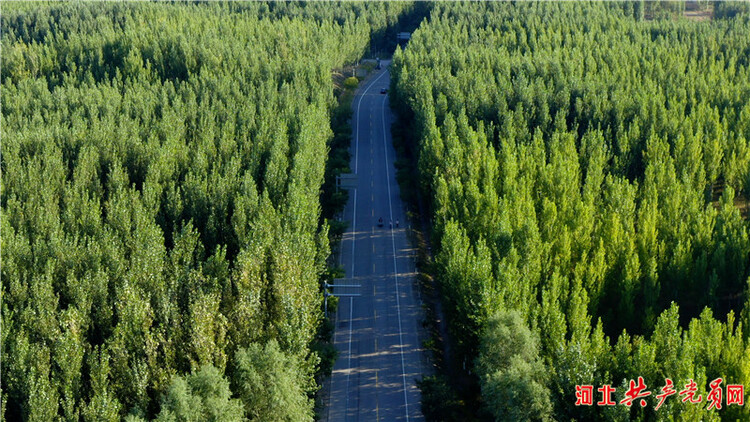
{"x":698,"y":11}
{"x":699,"y":15}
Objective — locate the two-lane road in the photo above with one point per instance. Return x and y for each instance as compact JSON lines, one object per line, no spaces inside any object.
{"x":380,"y":353}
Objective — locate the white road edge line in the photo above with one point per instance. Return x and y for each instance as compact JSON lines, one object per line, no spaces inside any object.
{"x":354,"y":231}
{"x":395,"y":270}
{"x":349,"y":364}
{"x":351,"y":307}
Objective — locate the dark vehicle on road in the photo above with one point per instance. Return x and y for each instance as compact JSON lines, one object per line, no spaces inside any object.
{"x":383,"y":90}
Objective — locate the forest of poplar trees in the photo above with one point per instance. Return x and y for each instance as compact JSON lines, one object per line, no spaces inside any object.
{"x":587,"y":169}
{"x":166,"y":175}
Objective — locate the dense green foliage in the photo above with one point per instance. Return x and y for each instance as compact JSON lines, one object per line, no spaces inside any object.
{"x":730,"y":9}
{"x":583,"y":166}
{"x":384,"y":18}
{"x":161,"y":230}
{"x":271,"y":384}
{"x":203,"y":396}
{"x":511,"y":370}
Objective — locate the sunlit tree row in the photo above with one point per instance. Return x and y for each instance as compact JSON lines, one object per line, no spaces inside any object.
{"x":586,"y":170}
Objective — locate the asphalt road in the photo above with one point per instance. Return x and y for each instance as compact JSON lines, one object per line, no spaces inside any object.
{"x":380,"y":353}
